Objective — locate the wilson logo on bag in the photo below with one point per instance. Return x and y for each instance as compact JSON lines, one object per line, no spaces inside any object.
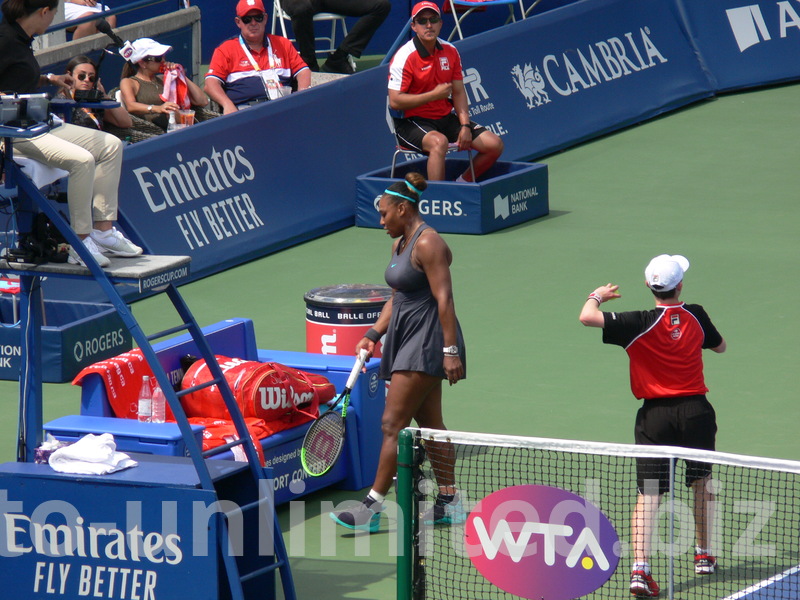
{"x":268,"y":391}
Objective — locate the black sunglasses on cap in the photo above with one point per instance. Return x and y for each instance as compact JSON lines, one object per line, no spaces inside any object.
{"x":247,"y":18}
{"x":425,"y":20}
{"x":154,"y":59}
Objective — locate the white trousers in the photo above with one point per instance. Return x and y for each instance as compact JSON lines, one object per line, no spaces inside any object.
{"x":94,"y":162}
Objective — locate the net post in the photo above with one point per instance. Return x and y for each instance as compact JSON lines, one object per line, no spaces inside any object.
{"x":671,"y":558}
{"x":406,"y":522}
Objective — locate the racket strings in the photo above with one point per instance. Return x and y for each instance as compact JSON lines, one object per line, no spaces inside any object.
{"x":324,"y":442}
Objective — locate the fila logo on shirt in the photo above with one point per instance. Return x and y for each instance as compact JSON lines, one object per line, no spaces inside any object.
{"x":674,"y":321}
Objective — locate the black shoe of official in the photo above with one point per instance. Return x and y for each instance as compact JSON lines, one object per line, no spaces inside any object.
{"x":338,"y":62}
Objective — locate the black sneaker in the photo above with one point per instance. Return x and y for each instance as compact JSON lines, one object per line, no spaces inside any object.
{"x":365,"y":517}
{"x":447,"y":510}
{"x":338,"y":62}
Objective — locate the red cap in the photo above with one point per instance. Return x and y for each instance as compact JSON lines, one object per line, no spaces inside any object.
{"x":426,"y":4}
{"x":245,"y":6}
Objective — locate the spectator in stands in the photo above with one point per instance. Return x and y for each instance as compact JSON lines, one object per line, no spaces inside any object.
{"x":143,"y":79}
{"x":92,"y":158}
{"x":372,"y":13}
{"x":83,"y":72}
{"x":256,"y":66}
{"x":78,"y":9}
{"x":425,"y":86}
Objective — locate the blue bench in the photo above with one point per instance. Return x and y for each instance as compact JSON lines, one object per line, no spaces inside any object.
{"x":236,"y":337}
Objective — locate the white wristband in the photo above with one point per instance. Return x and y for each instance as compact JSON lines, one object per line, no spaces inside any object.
{"x":596,"y":296}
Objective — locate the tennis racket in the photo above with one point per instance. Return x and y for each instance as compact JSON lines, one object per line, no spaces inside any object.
{"x":324,"y":440}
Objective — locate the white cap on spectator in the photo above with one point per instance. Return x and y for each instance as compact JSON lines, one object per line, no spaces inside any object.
{"x":142,"y":48}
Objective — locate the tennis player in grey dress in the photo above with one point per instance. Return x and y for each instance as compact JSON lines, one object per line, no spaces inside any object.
{"x":423,"y":346}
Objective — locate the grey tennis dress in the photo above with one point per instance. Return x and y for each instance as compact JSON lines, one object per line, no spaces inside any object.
{"x":414,"y":340}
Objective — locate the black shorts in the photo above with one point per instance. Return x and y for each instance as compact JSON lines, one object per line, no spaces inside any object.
{"x":688,"y":421}
{"x":409,"y":132}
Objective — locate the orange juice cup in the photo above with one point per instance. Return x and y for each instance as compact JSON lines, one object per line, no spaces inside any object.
{"x":186,"y":117}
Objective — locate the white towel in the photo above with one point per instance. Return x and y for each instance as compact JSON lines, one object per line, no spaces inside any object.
{"x":91,"y":455}
{"x":40,"y":173}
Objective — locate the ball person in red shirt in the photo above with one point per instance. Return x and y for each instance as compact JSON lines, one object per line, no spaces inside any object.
{"x":428,"y":101}
{"x":665,"y":348}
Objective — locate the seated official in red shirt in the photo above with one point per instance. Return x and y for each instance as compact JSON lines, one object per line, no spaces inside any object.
{"x":256,"y":66}
{"x":428,"y":100}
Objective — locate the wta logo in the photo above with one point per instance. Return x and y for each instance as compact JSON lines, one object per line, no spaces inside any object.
{"x":538,"y":542}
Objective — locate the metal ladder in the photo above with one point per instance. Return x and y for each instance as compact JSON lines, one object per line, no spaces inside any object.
{"x":147,"y":269}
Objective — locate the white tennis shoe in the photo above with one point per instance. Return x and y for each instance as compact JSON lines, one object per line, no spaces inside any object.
{"x":74,"y":259}
{"x":114,"y":243}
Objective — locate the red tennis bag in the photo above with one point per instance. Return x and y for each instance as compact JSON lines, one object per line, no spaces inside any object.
{"x":282,"y":396}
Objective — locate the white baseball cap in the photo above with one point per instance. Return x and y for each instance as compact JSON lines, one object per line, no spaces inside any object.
{"x":142,"y":48}
{"x":665,"y":272}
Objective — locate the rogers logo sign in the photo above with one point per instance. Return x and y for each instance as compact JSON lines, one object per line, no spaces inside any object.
{"x":536,"y":542}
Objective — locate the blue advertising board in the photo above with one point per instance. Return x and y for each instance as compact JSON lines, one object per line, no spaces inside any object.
{"x":244,"y":185}
{"x":510,"y":194}
{"x":132,"y":534}
{"x":746,"y":44}
{"x":580,"y":71}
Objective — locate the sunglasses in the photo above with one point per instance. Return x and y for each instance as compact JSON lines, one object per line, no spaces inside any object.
{"x":84,"y":76}
{"x":247,"y":18}
{"x":154,"y":59}
{"x":425,"y":20}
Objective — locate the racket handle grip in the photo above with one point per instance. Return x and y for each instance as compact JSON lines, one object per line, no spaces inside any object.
{"x":360,"y":360}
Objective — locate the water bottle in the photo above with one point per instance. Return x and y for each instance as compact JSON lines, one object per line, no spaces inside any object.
{"x":145,"y":408}
{"x":172,"y":125}
{"x":159,"y":408}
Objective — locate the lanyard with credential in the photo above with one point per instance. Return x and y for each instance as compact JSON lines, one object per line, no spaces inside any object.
{"x":272,"y":84}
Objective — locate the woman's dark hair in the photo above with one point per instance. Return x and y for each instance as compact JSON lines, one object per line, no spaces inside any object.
{"x":408,"y":190}
{"x":80,"y":60}
{"x":128,"y":70}
{"x":17,"y":9}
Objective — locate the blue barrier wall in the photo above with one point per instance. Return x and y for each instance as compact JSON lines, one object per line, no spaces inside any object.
{"x":578,"y":72}
{"x":249,"y":184}
{"x":244,"y":185}
{"x":746,"y":44}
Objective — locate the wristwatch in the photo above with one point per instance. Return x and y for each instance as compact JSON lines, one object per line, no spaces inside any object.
{"x":150,"y":108}
{"x":451,"y":350}
{"x":49,"y":77}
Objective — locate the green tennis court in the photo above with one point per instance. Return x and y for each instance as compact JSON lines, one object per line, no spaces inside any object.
{"x":716,"y":182}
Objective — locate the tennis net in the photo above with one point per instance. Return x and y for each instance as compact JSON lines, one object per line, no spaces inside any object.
{"x":552,"y":519}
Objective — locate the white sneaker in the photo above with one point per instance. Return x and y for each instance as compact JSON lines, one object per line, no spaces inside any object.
{"x":75,"y":259}
{"x":114,"y":243}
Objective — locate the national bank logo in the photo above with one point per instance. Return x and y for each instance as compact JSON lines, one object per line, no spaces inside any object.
{"x":536,"y":542}
{"x":750,"y":28}
{"x":513,"y":203}
{"x":577,"y":69}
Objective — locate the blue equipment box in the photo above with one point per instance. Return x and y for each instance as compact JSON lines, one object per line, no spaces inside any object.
{"x":129,"y":435}
{"x":75,"y":335}
{"x":508,"y":194}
